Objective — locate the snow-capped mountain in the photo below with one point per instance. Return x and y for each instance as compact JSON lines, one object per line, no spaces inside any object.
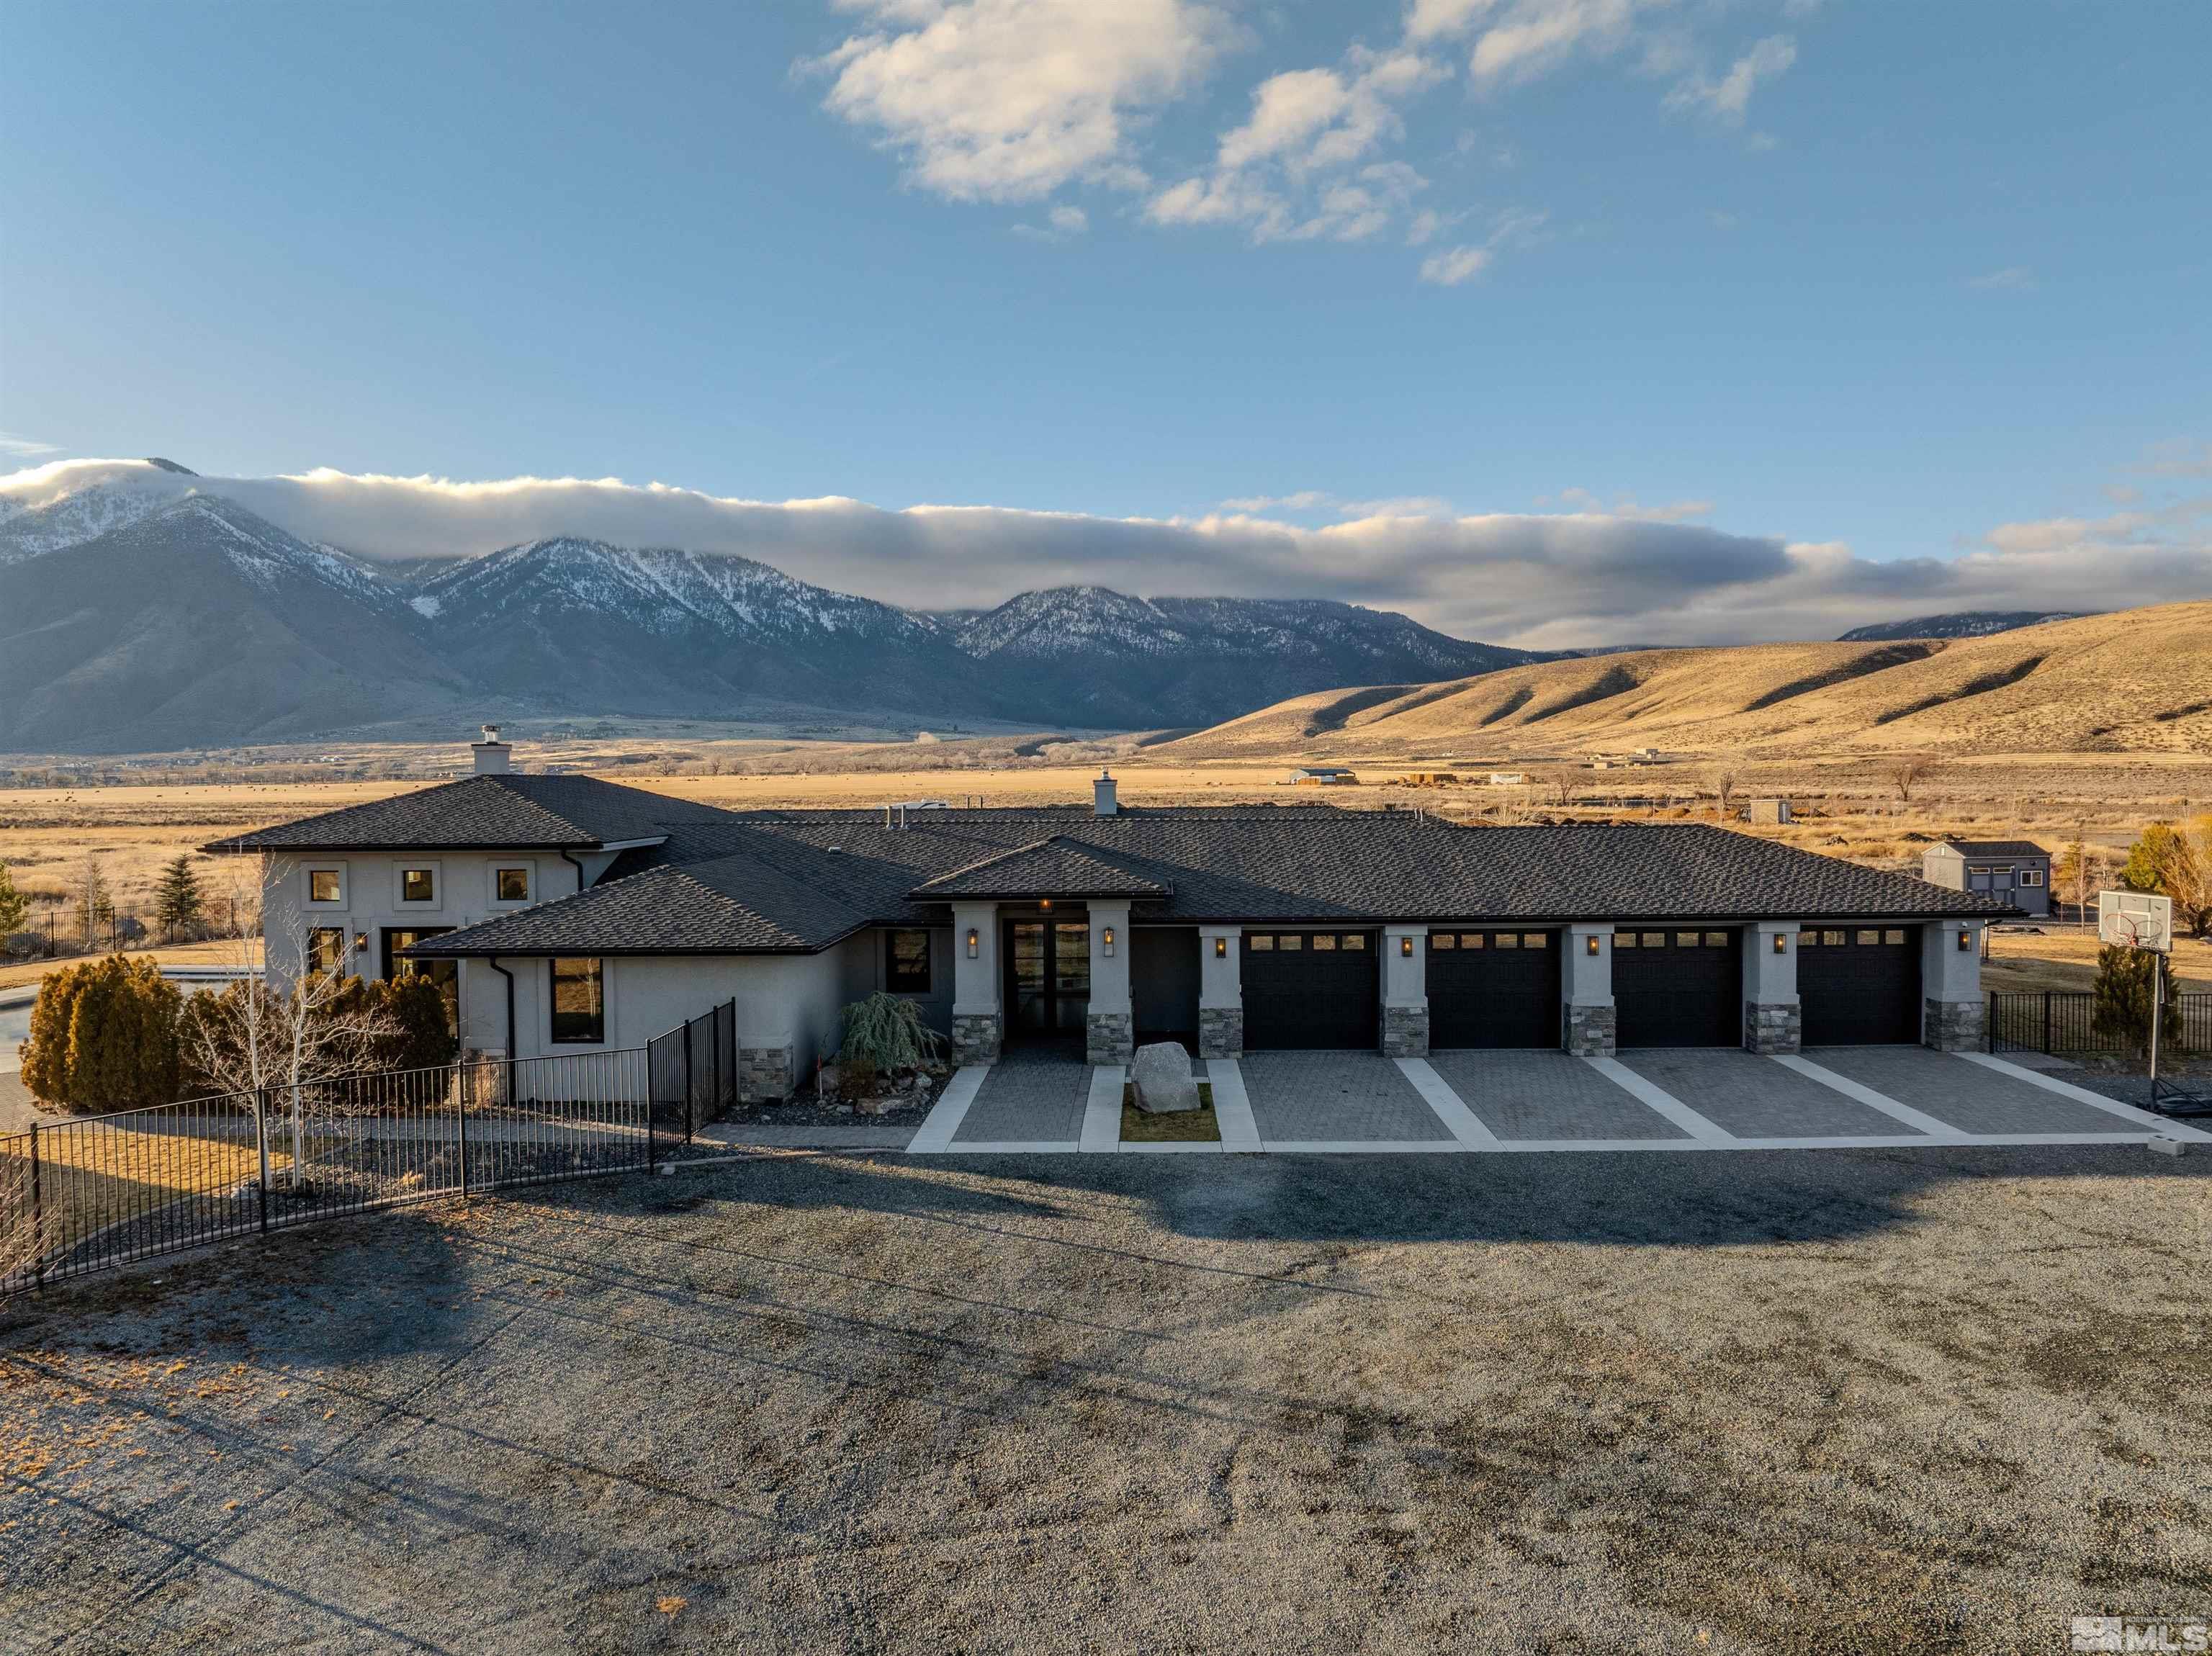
{"x":1960,"y":623}
{"x":60,"y":506}
{"x":199,"y":623}
{"x":241,"y":630}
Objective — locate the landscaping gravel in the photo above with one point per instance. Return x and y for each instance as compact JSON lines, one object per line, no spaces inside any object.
{"x":1850,"y":1401}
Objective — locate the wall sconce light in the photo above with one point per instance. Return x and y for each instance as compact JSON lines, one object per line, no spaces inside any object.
{"x":1782,"y":942}
{"x":360,"y":943}
{"x":1406,"y":948}
{"x":1590,"y":945}
{"x":974,"y":943}
{"x":1109,"y":939}
{"x":1966,"y":941}
{"x":1221,"y":949}
{"x":1044,"y":902}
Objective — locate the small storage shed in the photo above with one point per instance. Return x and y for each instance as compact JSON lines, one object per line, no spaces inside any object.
{"x":2017,"y":871}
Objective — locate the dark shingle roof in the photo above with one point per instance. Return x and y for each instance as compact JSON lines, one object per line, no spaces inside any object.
{"x":772,"y":880}
{"x":487,"y":813}
{"x":1058,"y":867}
{"x":1996,"y":847}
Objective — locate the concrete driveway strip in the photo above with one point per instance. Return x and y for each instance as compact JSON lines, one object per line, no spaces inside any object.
{"x":1966,"y":1096}
{"x":1650,"y":1092}
{"x":950,"y":1111}
{"x":1334,"y":1100}
{"x":2128,"y":1113}
{"x":1450,"y":1108}
{"x":1232,"y":1107}
{"x":1916,"y":1120}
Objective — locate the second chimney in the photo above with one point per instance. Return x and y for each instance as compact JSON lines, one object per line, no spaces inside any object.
{"x":1102,"y":801}
{"x":491,"y":753}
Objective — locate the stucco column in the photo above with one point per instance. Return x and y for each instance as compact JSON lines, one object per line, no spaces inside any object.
{"x":1220,"y":991}
{"x":1405,"y":991}
{"x":1586,"y":1010}
{"x":1773,"y":1016}
{"x":978,"y":1023}
{"x":1110,"y":1032}
{"x":1954,"y":1016}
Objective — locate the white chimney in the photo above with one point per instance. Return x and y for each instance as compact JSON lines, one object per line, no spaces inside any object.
{"x":491,"y":753}
{"x":1102,"y":801}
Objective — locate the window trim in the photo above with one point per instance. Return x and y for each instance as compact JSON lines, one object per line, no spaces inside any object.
{"x":435,"y":868}
{"x":599,"y":978}
{"x":892,"y":984}
{"x":526,"y":868}
{"x":328,"y":906}
{"x":2031,"y":879}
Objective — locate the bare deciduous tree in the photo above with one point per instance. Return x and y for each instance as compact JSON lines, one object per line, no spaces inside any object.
{"x":257,"y":1038}
{"x":1908,"y":771}
{"x":1723,"y":781}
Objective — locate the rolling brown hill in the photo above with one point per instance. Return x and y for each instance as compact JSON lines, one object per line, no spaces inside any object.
{"x":2136,"y":680}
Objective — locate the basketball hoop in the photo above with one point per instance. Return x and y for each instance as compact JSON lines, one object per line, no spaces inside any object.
{"x":2135,"y":919}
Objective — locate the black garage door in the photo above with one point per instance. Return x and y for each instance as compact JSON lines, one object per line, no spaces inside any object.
{"x":1306,"y":989}
{"x":1493,"y":989}
{"x":1678,"y":988}
{"x":1859,"y":986}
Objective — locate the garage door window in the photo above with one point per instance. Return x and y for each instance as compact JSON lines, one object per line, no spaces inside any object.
{"x":1324,"y":941}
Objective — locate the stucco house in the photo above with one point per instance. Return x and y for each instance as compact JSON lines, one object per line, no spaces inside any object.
{"x":568,"y":914}
{"x":2016,"y":872}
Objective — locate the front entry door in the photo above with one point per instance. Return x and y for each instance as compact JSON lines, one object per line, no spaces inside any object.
{"x":1047,"y":975}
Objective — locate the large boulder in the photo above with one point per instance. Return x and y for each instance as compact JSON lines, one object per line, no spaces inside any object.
{"x":1162,"y":1074}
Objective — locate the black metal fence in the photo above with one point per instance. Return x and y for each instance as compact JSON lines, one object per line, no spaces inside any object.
{"x":2064,"y":1022}
{"x":693,"y":1070}
{"x":101,"y":1191}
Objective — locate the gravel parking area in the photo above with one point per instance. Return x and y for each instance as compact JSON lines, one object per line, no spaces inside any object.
{"x":1861,"y":1401}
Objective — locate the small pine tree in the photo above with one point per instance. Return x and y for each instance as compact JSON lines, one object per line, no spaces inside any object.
{"x":2121,"y":1008}
{"x":15,"y":907}
{"x":178,"y":901}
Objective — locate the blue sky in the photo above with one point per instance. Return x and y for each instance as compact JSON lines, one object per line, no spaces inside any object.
{"x":1914,"y":281}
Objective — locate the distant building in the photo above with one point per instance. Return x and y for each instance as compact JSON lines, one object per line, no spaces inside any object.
{"x":1508,"y":778}
{"x":2017,"y":871}
{"x":1322,"y":776}
{"x":1769,"y":813}
{"x":1429,"y":778}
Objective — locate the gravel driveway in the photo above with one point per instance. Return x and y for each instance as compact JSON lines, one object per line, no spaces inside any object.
{"x":1858,"y":1401}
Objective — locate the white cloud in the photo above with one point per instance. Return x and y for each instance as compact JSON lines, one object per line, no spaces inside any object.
{"x":2013,"y":278}
{"x":1531,"y":37}
{"x":1009,"y":99}
{"x":1454,"y":265}
{"x":1729,"y":98}
{"x":1297,"y":167}
{"x":23,"y":447}
{"x":1625,"y":505}
{"x":1061,"y":224}
{"x":1543,"y":580}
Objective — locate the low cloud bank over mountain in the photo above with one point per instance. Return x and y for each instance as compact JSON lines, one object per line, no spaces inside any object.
{"x":1535,"y":580}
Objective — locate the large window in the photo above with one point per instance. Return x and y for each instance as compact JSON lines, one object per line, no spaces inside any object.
{"x":418,"y":885}
{"x":579,"y":1001}
{"x":906,"y":962}
{"x":326,"y":885}
{"x":326,"y":948}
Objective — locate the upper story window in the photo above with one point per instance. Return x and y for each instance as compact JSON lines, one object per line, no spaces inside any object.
{"x":326,"y":885}
{"x":906,"y":962}
{"x":511,"y":885}
{"x":579,"y":1001}
{"x":418,"y":885}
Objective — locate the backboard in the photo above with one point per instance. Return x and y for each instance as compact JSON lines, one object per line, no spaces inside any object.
{"x":2135,"y":919}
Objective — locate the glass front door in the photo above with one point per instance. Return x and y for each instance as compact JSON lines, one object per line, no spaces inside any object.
{"x":1048,"y":975}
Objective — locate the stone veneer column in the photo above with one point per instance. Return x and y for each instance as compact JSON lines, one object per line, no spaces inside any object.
{"x":1111,"y":1031}
{"x":1587,"y":1017}
{"x":1954,"y":1018}
{"x":1773,"y":1016}
{"x":1220,"y":991}
{"x":979,"y":1025}
{"x":1405,"y":991}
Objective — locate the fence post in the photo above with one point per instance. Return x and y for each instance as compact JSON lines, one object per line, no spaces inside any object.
{"x":650,"y":1101}
{"x":37,"y":1217}
{"x":689,"y":1025}
{"x":1989,"y":1025}
{"x":261,"y":1153}
{"x":2046,"y":1020}
{"x":461,"y":1122}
